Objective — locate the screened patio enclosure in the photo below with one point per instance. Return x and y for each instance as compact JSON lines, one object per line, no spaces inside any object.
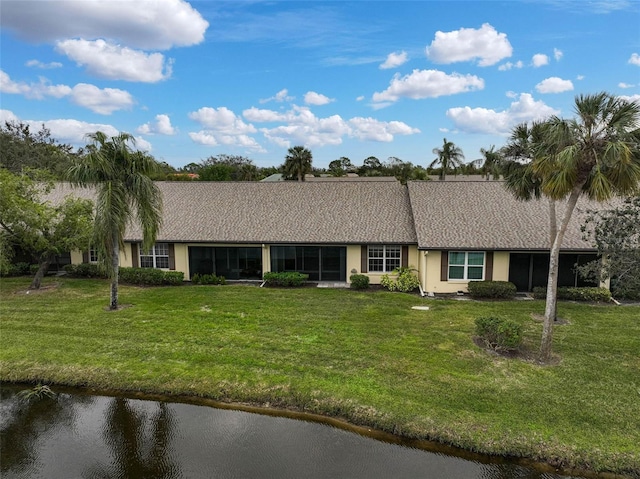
{"x":321,"y":263}
{"x":528,"y":270}
{"x":232,"y":262}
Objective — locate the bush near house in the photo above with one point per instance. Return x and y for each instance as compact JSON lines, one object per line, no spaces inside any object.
{"x":208,"y":279}
{"x":405,"y":282}
{"x":359,"y":281}
{"x":499,"y":334}
{"x":85,"y":270}
{"x":492,"y":289}
{"x":575,"y":294}
{"x":150,"y":277}
{"x":17,"y":269}
{"x":285,"y":279}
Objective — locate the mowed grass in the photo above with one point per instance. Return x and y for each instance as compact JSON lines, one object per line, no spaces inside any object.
{"x":363,"y":356}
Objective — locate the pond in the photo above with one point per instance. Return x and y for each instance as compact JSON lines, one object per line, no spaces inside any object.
{"x":74,"y":434}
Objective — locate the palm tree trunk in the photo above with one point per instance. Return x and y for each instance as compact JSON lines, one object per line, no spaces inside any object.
{"x":552,"y":281}
{"x":553,"y":229}
{"x":115,"y":259}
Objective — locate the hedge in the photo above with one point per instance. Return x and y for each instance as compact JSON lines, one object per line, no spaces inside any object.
{"x":499,"y":334}
{"x":492,"y":289}
{"x":285,"y":279}
{"x":575,"y":294}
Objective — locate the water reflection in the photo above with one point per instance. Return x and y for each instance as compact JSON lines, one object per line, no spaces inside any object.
{"x":98,"y":437}
{"x":138,"y":441}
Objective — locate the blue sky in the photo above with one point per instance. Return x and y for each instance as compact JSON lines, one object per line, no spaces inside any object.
{"x":367,"y":78}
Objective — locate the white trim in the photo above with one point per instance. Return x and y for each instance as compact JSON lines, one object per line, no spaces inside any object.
{"x":156,"y":253}
{"x":385,"y":258}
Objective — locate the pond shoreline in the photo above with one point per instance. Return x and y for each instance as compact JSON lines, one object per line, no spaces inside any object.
{"x":430,"y":445}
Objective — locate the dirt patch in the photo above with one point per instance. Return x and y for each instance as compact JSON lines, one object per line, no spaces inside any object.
{"x":523,"y":353}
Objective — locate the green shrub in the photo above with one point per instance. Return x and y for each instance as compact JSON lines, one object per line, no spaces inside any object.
{"x":405,"y":281}
{"x":499,"y":334}
{"x":173,"y":278}
{"x":150,"y":277}
{"x":575,"y":294}
{"x":85,"y":270}
{"x":285,"y":279}
{"x":492,"y":289}
{"x":33,"y":269}
{"x":359,"y":281}
{"x":208,"y":279}
{"x":17,"y":269}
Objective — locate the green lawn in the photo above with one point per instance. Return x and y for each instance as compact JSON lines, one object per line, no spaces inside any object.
{"x":364,"y":356}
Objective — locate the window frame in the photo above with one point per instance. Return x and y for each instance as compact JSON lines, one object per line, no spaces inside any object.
{"x":466,"y":265}
{"x":92,"y":255}
{"x":386,"y":258}
{"x":155,"y":254}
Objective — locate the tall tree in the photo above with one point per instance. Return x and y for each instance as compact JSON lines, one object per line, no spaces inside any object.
{"x":490,"y":163}
{"x":340,"y":167}
{"x":37,"y":227}
{"x":23,"y":149}
{"x":596,"y":154}
{"x":615,"y":232}
{"x":449,"y":158}
{"x":297,"y":163}
{"x":125,"y":192}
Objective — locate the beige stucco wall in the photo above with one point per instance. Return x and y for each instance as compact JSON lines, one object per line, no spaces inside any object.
{"x":430,"y":272}
{"x":125,"y":256}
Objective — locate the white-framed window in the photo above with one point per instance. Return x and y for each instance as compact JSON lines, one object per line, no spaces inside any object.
{"x":383,"y":258}
{"x":93,"y":255}
{"x":466,"y":265}
{"x":156,"y":257}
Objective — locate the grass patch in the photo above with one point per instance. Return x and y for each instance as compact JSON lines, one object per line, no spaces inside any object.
{"x":364,"y":356}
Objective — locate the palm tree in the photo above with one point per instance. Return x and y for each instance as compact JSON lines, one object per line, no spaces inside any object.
{"x":449,"y":158}
{"x":491,"y":164}
{"x":123,"y":188}
{"x":596,"y":154}
{"x":297,"y":162}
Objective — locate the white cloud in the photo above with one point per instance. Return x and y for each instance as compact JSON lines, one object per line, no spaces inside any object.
{"x":467,"y":44}
{"x":36,"y":91}
{"x":509,"y":65}
{"x":428,"y":84}
{"x":143,"y":24}
{"x":557,"y":54}
{"x":554,"y":85}
{"x":360,"y":98}
{"x":394,"y":60}
{"x":300,"y":126}
{"x":313,"y":98}
{"x":634,"y":59}
{"x":631,"y":98}
{"x":625,"y":85}
{"x":8,"y":116}
{"x":43,"y":66}
{"x":221,"y":120}
{"x":107,"y":60}
{"x":539,"y":59}
{"x":483,"y":120}
{"x":281,"y":96}
{"x":580,"y":77}
{"x":162,"y":126}
{"x":259,"y":115}
{"x":375,"y":130}
{"x":223,"y":127}
{"x":104,"y":101}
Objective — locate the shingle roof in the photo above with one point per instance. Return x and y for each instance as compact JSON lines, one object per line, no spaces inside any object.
{"x":484,"y":215}
{"x":280,"y":212}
